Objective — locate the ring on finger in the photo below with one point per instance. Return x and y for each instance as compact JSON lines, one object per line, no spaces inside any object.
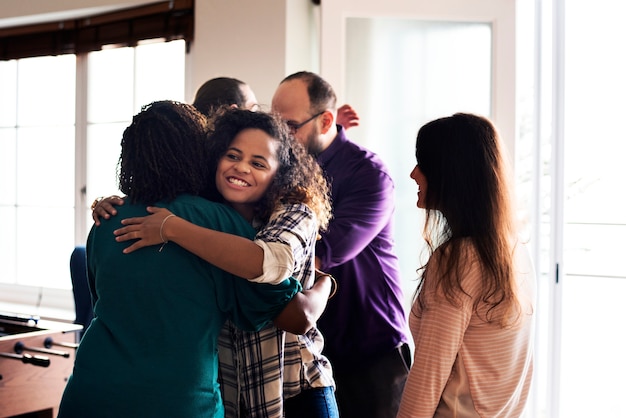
{"x":95,"y":202}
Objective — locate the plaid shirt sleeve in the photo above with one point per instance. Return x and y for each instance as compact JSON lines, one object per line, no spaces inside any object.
{"x":294,"y":229}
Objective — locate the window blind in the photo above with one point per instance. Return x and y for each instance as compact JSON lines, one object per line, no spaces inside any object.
{"x":169,"y":20}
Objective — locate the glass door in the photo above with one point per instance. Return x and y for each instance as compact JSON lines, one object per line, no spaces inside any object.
{"x":594,"y":145}
{"x":401,"y":64}
{"x":403,"y":73}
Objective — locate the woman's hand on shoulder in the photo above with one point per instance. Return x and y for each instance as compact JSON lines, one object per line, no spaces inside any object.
{"x":104,"y":207}
{"x":147,"y":230}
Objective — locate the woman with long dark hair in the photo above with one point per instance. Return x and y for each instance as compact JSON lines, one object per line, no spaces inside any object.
{"x":473,"y":314}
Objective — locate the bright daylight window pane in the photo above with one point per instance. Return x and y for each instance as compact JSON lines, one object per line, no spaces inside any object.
{"x":8,"y":80}
{"x":46,"y":87}
{"x":8,"y":119}
{"x":121,"y":81}
{"x":103,"y":151}
{"x":110,"y":85}
{"x":8,"y":264}
{"x":45,"y":241}
{"x":593,"y":367}
{"x":8,"y":151}
{"x":37,"y":147}
{"x":37,"y":179}
{"x":45,"y":166}
{"x":438,"y":68}
{"x":157,"y":62}
{"x":45,"y":211}
{"x":595,"y":211}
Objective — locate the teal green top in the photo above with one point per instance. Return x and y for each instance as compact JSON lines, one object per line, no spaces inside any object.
{"x":151,"y":350}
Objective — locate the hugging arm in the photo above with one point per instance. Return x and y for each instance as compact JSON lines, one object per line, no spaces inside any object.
{"x":224,"y":251}
{"x":221,"y":249}
{"x":303,"y":311}
{"x":218,"y":248}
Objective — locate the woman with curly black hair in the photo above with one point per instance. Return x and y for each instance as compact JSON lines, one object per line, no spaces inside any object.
{"x":271,"y":180}
{"x":151,"y":349}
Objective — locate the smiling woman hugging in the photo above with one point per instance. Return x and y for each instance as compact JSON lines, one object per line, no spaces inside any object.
{"x":270,"y":179}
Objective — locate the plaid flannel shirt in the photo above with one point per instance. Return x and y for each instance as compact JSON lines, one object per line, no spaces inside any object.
{"x":259,"y":369}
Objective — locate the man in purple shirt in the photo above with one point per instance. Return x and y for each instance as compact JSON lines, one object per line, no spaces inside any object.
{"x":364,"y":325}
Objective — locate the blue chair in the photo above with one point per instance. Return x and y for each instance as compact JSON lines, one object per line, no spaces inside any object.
{"x":80,"y":288}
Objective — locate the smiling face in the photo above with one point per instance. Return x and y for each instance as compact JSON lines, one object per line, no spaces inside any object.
{"x":422,"y":186}
{"x":246,"y":170}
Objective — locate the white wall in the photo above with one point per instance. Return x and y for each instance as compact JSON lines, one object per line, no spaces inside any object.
{"x":259,"y":42}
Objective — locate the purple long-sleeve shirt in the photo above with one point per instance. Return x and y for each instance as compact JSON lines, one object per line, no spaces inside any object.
{"x":366,"y":318}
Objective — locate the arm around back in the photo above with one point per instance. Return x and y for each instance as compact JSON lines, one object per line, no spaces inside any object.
{"x":303,"y":311}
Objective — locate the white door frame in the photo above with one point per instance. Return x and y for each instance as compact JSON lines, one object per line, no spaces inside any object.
{"x":500,"y":13}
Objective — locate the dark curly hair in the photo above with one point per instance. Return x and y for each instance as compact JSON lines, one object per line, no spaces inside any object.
{"x":164,"y":153}
{"x":299,"y":178}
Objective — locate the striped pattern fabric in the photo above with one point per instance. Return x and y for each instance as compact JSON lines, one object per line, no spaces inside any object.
{"x":463,"y":366}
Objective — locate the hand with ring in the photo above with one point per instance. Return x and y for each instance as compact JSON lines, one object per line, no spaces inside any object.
{"x":104,"y":207}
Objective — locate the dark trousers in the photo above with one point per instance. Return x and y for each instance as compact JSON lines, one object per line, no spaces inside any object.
{"x":312,"y":403}
{"x":375,"y":390}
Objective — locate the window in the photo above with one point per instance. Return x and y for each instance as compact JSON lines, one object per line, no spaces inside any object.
{"x":120,"y":81}
{"x":570,"y":88}
{"x":568,"y":158}
{"x":426,"y":84}
{"x":36,"y":188}
{"x":593,"y":280}
{"x":59,"y":146}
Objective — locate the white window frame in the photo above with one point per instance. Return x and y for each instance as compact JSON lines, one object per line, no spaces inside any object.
{"x":50,"y":302}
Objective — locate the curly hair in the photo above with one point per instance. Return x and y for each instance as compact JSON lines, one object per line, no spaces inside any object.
{"x":164,"y":153}
{"x":299,"y":178}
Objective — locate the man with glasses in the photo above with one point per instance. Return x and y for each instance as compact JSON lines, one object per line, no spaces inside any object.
{"x":293,"y":126}
{"x":364,"y":325}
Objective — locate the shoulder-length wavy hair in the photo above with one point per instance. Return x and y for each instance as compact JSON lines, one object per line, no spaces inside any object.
{"x":468,"y":201}
{"x":164,"y":153}
{"x":299,"y":178}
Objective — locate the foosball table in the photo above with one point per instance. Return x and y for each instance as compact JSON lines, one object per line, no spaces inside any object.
{"x":36,"y":359}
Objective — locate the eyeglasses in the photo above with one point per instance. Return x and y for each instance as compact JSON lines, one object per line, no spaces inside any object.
{"x":293,"y":126}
